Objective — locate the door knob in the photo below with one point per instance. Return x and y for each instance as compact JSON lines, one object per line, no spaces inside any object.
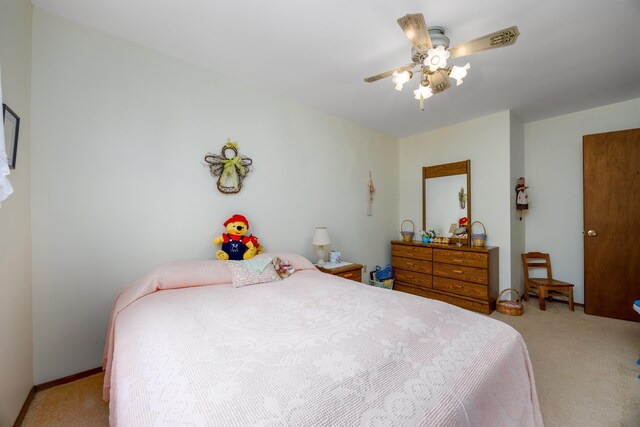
{"x":592,"y":233}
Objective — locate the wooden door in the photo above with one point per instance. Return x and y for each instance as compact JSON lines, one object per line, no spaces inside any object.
{"x":611,"y":163}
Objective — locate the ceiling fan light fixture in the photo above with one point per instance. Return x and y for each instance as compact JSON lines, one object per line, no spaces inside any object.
{"x":423,"y":92}
{"x":399,"y":79}
{"x":430,"y":52}
{"x":439,"y":81}
{"x":436,"y":58}
{"x":458,"y":73}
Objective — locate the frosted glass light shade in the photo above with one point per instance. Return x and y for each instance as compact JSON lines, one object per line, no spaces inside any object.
{"x":321,"y":237}
{"x":399,"y":79}
{"x":423,"y":92}
{"x":436,"y":58}
{"x":458,"y":73}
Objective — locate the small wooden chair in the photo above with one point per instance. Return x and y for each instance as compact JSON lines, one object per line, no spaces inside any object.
{"x":544,"y":287}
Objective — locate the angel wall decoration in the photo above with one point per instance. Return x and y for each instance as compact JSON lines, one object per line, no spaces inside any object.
{"x":522,"y":198}
{"x":230,"y":171}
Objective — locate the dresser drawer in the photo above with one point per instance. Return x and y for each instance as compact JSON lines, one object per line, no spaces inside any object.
{"x":469,"y":259}
{"x":419,"y":266}
{"x":416,"y":252}
{"x":473,"y":290}
{"x":458,"y":272}
{"x":485,"y":307}
{"x":416,"y":279}
{"x":352,"y":275}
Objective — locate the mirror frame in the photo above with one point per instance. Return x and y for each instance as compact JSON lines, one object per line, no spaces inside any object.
{"x":447,"y":169}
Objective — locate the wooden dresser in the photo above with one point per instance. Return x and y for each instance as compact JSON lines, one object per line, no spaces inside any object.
{"x":464,"y":276}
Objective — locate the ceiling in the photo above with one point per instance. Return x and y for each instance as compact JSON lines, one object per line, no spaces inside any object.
{"x":571,"y":54}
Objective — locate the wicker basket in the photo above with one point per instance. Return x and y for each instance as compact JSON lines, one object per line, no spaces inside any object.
{"x":506,"y":306}
{"x":478,"y":240}
{"x":407,"y":235}
{"x":386,"y":284}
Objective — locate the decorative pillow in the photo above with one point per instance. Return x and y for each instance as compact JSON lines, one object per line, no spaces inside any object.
{"x":252,"y":272}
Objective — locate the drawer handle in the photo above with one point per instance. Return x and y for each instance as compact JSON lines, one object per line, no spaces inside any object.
{"x":409,"y":263}
{"x":457,"y":287}
{"x":457,"y":260}
{"x":457,"y":271}
{"x":348,"y":275}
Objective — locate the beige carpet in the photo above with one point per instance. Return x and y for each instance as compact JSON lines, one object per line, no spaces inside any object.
{"x":584,"y":366}
{"x":585,"y":369}
{"x":77,"y":404}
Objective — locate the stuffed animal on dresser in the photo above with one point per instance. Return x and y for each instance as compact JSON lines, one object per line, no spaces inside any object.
{"x":236,"y":245}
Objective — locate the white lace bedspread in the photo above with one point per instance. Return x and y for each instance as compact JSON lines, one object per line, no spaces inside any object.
{"x":315,"y":350}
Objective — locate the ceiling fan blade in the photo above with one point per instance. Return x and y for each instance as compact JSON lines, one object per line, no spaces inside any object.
{"x":501,"y":38}
{"x":388,"y":73}
{"x":416,"y":31}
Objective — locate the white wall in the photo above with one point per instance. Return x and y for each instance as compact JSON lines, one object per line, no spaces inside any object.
{"x":16,"y":351}
{"x":119,"y":185}
{"x":553,"y":161}
{"x":517,"y":169}
{"x":485,"y":141}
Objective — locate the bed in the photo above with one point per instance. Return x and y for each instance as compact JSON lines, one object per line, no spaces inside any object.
{"x":185,"y":347}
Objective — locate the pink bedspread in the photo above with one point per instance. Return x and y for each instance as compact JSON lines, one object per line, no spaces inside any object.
{"x":311,"y":350}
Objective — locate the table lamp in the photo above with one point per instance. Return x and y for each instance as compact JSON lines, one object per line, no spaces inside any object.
{"x":321,"y":239}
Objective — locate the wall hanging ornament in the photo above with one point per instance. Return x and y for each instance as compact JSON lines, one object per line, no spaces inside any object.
{"x":230,"y":171}
{"x":372,"y":190}
{"x":522,"y":198}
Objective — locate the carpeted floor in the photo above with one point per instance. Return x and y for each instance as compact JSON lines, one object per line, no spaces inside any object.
{"x":76,"y":404}
{"x":585,"y":370}
{"x":584,"y":366}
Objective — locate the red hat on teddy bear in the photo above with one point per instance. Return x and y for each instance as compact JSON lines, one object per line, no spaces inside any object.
{"x":236,"y":218}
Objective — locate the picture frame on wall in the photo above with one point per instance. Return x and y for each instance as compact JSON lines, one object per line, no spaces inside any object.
{"x":11,"y":128}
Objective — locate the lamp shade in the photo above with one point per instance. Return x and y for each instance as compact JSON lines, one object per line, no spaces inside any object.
{"x":321,"y":237}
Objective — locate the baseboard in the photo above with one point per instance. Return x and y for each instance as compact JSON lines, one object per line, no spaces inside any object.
{"x":67,"y":379}
{"x":25,"y":407}
{"x":39,"y":387}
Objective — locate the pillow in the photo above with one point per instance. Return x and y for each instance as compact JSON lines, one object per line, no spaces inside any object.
{"x":184,"y":274}
{"x":298,"y":262}
{"x":252,"y":272}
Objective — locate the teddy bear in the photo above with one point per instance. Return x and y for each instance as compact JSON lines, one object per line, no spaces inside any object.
{"x":283,"y":267}
{"x":236,"y":246}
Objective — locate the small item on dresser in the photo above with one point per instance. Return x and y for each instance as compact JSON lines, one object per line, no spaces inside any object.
{"x":506,"y":306}
{"x":478,"y":240}
{"x":335,"y":257}
{"x":407,"y":235}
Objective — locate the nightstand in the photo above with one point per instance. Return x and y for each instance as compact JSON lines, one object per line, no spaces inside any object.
{"x":351,"y":271}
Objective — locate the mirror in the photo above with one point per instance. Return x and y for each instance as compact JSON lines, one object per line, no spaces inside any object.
{"x":446,"y":197}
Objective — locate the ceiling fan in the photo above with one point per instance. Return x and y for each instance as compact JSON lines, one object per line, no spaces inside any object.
{"x":430,"y":52}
